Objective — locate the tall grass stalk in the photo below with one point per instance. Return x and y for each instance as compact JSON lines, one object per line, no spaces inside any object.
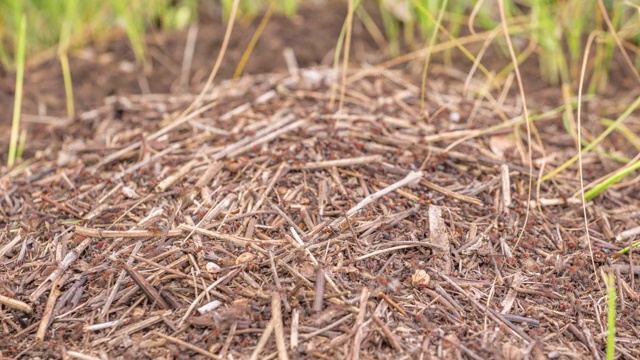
{"x":63,"y":50}
{"x":427,"y":58}
{"x":610,"y":284}
{"x":596,"y":141}
{"x":17,"y":102}
{"x":254,"y":40}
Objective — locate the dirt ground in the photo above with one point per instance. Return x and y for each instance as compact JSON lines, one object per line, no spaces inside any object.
{"x":268,"y":224}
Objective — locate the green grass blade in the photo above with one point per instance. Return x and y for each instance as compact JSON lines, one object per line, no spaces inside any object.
{"x":617,"y":176}
{"x":597,"y":140}
{"x":611,"y":314}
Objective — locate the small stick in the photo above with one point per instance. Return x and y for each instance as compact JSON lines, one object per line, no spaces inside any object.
{"x":393,"y":304}
{"x":64,"y":265}
{"x":48,"y":310}
{"x":300,"y":245}
{"x":263,"y":340}
{"x":157,"y":134}
{"x":226,"y":237}
{"x":227,"y":343}
{"x":270,"y":186}
{"x":171,"y":179}
{"x":382,"y":251}
{"x":103,"y":234}
{"x":357,"y":327}
{"x":272,"y":261}
{"x":327,"y":328}
{"x":79,"y":355}
{"x":152,"y":160}
{"x":148,"y":290}
{"x":362,"y":160}
{"x":485,"y":309}
{"x":202,"y":294}
{"x":264,"y":139}
{"x":105,"y":325}
{"x":187,"y":345}
{"x":385,"y":330}
{"x":319,"y":296}
{"x":16,"y":304}
{"x":116,"y":286}
{"x":628,"y":233}
{"x":506,"y":186}
{"x":60,"y":206}
{"x":431,"y":186}
{"x":412,"y":177}
{"x":295,"y":321}
{"x":5,"y":249}
{"x":276,"y":313}
{"x":187,"y":56}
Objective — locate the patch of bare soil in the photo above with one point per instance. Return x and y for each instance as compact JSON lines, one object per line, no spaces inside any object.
{"x":267,"y":224}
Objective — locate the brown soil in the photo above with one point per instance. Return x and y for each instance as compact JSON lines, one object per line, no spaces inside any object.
{"x":298,"y":223}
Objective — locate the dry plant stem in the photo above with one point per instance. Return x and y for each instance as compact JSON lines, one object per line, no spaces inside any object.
{"x":16,"y":304}
{"x":295,"y":322}
{"x":276,"y":313}
{"x":216,"y":67}
{"x":438,"y":236}
{"x":411,"y":178}
{"x":266,"y":334}
{"x":298,"y":243}
{"x":5,"y":249}
{"x":195,"y":302}
{"x":109,"y":234}
{"x":506,"y":186}
{"x":627,"y":234}
{"x":579,"y":148}
{"x":429,"y":185}
{"x":151,"y":292}
{"x":363,"y":160}
{"x":151,"y":160}
{"x":116,"y":337}
{"x":357,"y":330}
{"x":227,"y":343}
{"x":186,"y":345}
{"x":487,"y":310}
{"x":231,"y":238}
{"x":170,"y":180}
{"x":319,"y":291}
{"x":69,"y":259}
{"x":157,"y":134}
{"x":387,"y":333}
{"x":392,"y":249}
{"x":278,"y":122}
{"x":187,"y":56}
{"x":393,"y":304}
{"x":272,"y":261}
{"x":79,"y":355}
{"x":116,"y":286}
{"x":529,"y":124}
{"x":327,"y":328}
{"x":48,"y":309}
{"x":281,"y":169}
{"x":346,"y":51}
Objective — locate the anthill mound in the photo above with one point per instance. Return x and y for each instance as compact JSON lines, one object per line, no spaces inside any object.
{"x":278,"y":221}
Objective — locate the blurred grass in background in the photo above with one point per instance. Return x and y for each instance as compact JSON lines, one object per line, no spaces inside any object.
{"x":555,"y":31}
{"x":76,"y":22}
